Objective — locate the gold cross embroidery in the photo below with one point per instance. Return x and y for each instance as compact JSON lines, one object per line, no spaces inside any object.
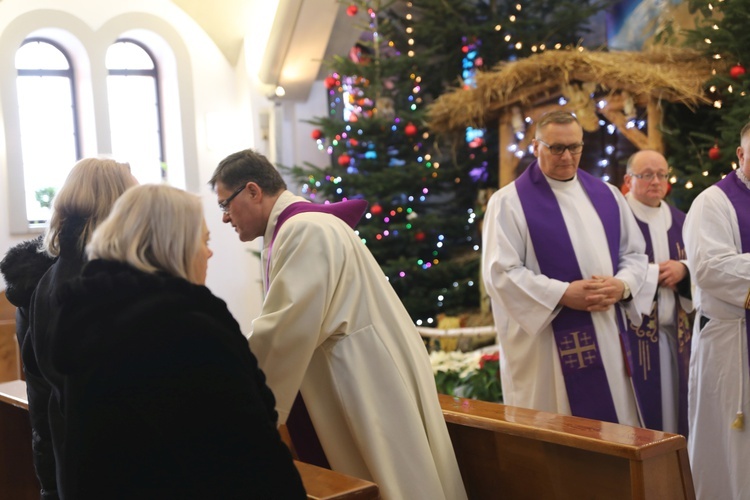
{"x":578,"y":350}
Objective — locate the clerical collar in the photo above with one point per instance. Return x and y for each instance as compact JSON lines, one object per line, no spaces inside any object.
{"x":741,"y":176}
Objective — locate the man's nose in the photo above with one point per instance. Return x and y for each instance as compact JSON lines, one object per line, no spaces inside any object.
{"x":225,"y":218}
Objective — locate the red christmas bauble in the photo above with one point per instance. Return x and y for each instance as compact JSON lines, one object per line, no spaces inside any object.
{"x":353,"y":143}
{"x":737,"y":71}
{"x":344,"y":160}
{"x":316,"y":134}
{"x":410,"y":129}
{"x":714,"y":153}
{"x":376,"y":209}
{"x":330,"y":82}
{"x":419,"y":236}
{"x":352,"y":10}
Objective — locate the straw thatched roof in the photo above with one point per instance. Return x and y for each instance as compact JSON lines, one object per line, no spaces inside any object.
{"x":671,"y":74}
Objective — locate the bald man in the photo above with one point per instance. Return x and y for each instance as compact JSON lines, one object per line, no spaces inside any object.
{"x":659,"y":349}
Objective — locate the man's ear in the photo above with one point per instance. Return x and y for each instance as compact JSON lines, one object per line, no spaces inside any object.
{"x":254,"y":189}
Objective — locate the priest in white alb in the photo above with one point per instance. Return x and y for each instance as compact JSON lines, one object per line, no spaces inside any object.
{"x":717,"y":241}
{"x":563,"y":261}
{"x":662,"y":341}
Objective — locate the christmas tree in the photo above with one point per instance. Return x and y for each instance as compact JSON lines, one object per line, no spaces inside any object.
{"x":422,"y":221}
{"x":701,"y":143}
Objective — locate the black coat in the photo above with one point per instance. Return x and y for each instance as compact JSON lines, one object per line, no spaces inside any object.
{"x":162,"y":397}
{"x":24,"y":267}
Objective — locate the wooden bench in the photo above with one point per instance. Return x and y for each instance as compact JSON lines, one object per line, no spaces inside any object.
{"x":509,"y":452}
{"x":18,"y":480}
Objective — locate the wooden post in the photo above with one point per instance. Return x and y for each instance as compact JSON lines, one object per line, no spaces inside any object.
{"x":654,"y":111}
{"x":508,"y":160}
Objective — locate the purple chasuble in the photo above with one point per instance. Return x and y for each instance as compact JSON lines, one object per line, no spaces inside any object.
{"x":582,"y":367}
{"x":739,"y":196}
{"x":642,"y":342}
{"x":300,"y":426}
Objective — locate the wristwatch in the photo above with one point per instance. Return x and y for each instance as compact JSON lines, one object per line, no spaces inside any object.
{"x":626,"y":295}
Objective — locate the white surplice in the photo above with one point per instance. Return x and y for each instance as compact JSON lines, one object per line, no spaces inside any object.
{"x":524,"y":301}
{"x":659,"y":220}
{"x":719,"y":383}
{"x":333,"y":328}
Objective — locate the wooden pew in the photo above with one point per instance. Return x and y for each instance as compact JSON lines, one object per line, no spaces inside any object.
{"x":509,"y":452}
{"x":10,"y":358}
{"x":18,"y":480}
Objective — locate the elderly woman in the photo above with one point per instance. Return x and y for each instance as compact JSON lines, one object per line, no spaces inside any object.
{"x":34,"y":271}
{"x":163,"y":398}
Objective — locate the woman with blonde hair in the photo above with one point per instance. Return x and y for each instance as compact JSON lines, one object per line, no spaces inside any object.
{"x":34,"y":271}
{"x":162,"y":396}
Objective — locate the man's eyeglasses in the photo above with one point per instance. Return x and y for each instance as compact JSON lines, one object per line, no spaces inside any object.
{"x":224,"y":205}
{"x":559,"y":149}
{"x":649,"y":176}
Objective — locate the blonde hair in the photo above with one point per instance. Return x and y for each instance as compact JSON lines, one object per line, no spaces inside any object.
{"x":152,"y":227}
{"x":91,"y":188}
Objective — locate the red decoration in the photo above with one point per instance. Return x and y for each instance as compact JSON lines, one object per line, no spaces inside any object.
{"x":353,"y":142}
{"x":316,"y":134}
{"x":410,"y":129}
{"x":737,"y":71}
{"x":419,"y":236}
{"x":344,"y":160}
{"x":330,"y":82}
{"x":376,"y":209}
{"x":714,"y":153}
{"x":352,"y":10}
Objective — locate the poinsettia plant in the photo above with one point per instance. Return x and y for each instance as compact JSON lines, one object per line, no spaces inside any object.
{"x":474,"y":374}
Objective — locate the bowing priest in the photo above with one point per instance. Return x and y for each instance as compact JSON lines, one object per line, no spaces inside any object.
{"x":717,"y":241}
{"x":351,"y":376}
{"x":660,"y":347}
{"x":563,"y":259}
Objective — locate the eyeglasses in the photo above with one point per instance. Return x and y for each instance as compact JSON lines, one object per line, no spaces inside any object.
{"x":649,"y":176}
{"x":224,"y":205}
{"x":559,"y":149}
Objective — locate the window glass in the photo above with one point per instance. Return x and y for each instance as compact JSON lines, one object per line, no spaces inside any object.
{"x":134,"y":110}
{"x":47,"y":112}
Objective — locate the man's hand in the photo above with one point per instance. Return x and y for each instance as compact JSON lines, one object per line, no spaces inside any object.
{"x":671,"y":272}
{"x":596,"y":294}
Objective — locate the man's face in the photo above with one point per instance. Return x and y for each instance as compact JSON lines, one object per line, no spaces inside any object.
{"x":649,"y":178}
{"x":243,"y":212}
{"x":743,"y":156}
{"x":560,"y":167}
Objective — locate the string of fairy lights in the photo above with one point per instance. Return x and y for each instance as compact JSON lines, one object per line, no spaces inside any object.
{"x":347,"y":99}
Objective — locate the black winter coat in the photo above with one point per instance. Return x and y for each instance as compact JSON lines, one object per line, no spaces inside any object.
{"x":23,"y":268}
{"x":162,"y":397}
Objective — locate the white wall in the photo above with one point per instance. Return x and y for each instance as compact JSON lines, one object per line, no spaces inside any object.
{"x":220,"y":109}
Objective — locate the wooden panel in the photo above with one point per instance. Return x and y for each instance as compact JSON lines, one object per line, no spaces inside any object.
{"x":10,"y":364}
{"x":531,"y":454}
{"x":17,"y":477}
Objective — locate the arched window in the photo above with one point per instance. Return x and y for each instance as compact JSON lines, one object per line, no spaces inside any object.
{"x":135,"y":110}
{"x":50,"y":142}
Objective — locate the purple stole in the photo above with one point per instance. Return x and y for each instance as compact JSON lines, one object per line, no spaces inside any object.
{"x":645,"y":368}
{"x":300,"y":426}
{"x":739,"y":196}
{"x":582,"y":367}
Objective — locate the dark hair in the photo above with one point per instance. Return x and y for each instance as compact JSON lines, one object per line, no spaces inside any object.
{"x":248,"y":166}
{"x":559,"y":117}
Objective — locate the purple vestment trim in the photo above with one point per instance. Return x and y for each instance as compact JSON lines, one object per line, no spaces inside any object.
{"x":739,"y":196}
{"x":300,"y":426}
{"x":645,"y":367}
{"x":582,"y":367}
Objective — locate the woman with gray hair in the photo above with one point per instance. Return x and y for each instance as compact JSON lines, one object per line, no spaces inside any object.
{"x":162,"y":396}
{"x":34,"y":271}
